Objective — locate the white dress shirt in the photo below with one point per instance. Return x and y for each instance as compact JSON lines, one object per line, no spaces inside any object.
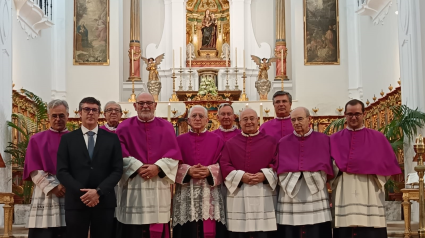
{"x":86,"y":137}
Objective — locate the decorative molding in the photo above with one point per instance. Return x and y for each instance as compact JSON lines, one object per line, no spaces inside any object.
{"x":58,"y":94}
{"x":376,"y":9}
{"x":356,"y":93}
{"x":5,"y":21}
{"x":31,"y":17}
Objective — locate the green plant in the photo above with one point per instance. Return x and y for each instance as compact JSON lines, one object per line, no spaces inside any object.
{"x":26,"y":127}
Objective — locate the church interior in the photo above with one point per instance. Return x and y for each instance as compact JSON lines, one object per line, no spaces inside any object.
{"x":208,"y":52}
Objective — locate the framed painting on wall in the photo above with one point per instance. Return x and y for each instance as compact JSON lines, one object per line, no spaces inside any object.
{"x":91,"y":32}
{"x":321,"y":32}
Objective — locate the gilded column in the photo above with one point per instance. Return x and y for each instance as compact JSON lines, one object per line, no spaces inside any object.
{"x":280,"y":50}
{"x":134,"y":51}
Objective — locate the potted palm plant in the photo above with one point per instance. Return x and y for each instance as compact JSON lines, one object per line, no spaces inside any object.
{"x":25,"y":127}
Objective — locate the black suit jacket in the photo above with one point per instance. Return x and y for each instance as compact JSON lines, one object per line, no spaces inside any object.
{"x":76,"y":171}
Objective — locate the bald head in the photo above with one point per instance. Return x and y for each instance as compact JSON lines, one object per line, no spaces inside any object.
{"x":300,"y":118}
{"x":249,"y":121}
{"x":145,"y":96}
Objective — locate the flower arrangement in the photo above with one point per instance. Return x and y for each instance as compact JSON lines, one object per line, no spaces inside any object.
{"x":207,"y":86}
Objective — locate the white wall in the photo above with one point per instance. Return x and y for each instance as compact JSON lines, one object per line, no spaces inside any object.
{"x":31,"y":60}
{"x":101,"y":82}
{"x":5,"y":88}
{"x":379,"y":62}
{"x":263,"y":13}
{"x":322,"y":86}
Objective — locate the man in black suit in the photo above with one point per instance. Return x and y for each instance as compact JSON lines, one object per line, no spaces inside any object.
{"x":89,"y":166}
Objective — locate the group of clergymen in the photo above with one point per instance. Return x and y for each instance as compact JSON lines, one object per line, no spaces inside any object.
{"x":255,"y":182}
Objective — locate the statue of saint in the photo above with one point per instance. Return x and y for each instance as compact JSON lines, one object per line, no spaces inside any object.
{"x":154,"y":84}
{"x":209,"y":31}
{"x":263,"y":84}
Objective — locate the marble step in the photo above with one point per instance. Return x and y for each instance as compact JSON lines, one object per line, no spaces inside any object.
{"x":18,"y":231}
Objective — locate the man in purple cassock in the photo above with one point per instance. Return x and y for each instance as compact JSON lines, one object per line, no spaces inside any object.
{"x":281,"y":125}
{"x":198,"y":210}
{"x":151,"y":156}
{"x":113,"y":113}
{"x":247,"y":165}
{"x":226,"y":117}
{"x":47,"y":211}
{"x":363,"y":161}
{"x":304,"y":166}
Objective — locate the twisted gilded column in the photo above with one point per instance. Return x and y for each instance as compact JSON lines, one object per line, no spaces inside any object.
{"x":280,"y":49}
{"x":134,"y":51}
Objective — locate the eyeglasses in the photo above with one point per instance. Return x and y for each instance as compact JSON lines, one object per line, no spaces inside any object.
{"x":109,"y":110}
{"x":246,"y":119}
{"x":145,"y":103}
{"x":223,"y":114}
{"x":88,"y":110}
{"x":60,"y":116}
{"x":297,"y":119}
{"x":357,"y":115}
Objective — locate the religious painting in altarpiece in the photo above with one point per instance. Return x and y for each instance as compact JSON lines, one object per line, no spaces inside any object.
{"x":321,"y":32}
{"x":207,"y":29}
{"x":91,"y":32}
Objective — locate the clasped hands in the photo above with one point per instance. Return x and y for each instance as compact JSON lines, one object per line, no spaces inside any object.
{"x":148,"y":171}
{"x":90,"y":198}
{"x":199,"y":171}
{"x":253,"y":179}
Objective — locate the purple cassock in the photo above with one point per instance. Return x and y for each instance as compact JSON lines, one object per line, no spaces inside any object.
{"x":108,"y":128}
{"x":310,"y":153}
{"x":278,"y":127}
{"x":363,"y":151}
{"x":226,"y":134}
{"x":42,"y":151}
{"x":148,"y":141}
{"x":205,"y":149}
{"x":250,"y":154}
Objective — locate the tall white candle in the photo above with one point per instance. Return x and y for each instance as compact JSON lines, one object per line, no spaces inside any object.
{"x":173,"y":60}
{"x":236,"y":57}
{"x":244,"y":59}
{"x":190,"y":57}
{"x":261,"y":113}
{"x":169,"y":112}
{"x":227,"y":57}
{"x":180,"y":57}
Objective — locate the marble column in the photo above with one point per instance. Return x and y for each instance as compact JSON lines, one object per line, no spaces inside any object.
{"x":134,"y":52}
{"x":280,"y":49}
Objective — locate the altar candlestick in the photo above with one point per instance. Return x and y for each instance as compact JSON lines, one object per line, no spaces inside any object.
{"x":132,"y":62}
{"x":281,"y":60}
{"x":261,"y":113}
{"x":227,"y":57}
{"x":169,"y":112}
{"x":173,"y":60}
{"x":180,"y":57}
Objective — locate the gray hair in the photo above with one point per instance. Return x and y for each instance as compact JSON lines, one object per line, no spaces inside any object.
{"x":282,"y":93}
{"x":198,"y":106}
{"x":57,"y":102}
{"x":109,"y":103}
{"x":224,"y":105}
{"x":307,"y":112}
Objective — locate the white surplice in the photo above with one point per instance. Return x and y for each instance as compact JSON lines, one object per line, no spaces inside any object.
{"x":141,"y":201}
{"x":46,"y":209}
{"x":251,"y":208}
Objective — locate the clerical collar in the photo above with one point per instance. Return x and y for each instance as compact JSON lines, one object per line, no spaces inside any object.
{"x":283,"y":118}
{"x":199,"y":132}
{"x":351,"y":129}
{"x":64,"y":130}
{"x":110,"y":127}
{"x":250,"y":135}
{"x":145,"y":121}
{"x":228,"y":130}
{"x":305,"y":135}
